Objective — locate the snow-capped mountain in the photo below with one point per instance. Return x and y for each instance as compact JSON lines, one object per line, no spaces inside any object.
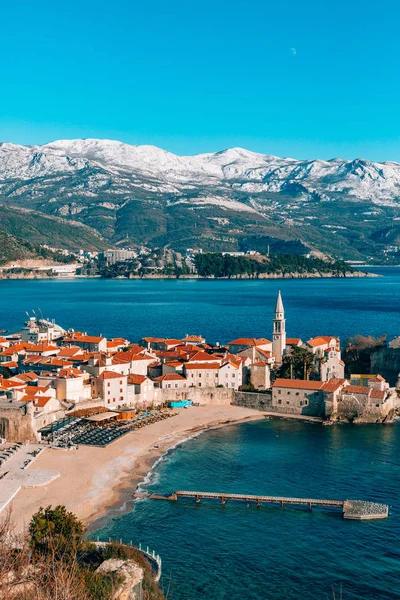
{"x":249,"y":171}
{"x":147,"y":195}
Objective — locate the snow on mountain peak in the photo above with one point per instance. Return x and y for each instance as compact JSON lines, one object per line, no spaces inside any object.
{"x":235,"y":168}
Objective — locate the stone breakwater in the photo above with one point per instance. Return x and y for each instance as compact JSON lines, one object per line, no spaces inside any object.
{"x":360,"y":510}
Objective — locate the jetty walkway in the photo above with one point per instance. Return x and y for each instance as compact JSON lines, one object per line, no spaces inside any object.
{"x":351,"y":509}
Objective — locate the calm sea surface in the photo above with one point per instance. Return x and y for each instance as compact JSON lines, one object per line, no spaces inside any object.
{"x":234,"y":552}
{"x":214,"y":552}
{"x":219,"y":310}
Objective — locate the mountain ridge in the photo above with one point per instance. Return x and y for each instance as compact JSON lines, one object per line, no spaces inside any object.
{"x":136,"y":195}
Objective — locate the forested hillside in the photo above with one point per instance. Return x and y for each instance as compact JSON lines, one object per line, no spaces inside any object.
{"x":219,"y":265}
{"x":23,"y":231}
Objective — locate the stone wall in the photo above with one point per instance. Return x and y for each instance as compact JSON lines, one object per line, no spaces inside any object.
{"x":254,"y":400}
{"x":16,"y":423}
{"x":264,"y":403}
{"x":204,"y":396}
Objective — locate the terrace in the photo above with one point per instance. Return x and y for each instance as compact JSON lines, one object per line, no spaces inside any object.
{"x":98,"y":430}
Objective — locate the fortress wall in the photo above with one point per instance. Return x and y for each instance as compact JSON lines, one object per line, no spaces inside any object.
{"x":16,"y":424}
{"x":254,"y":400}
{"x":206,"y":396}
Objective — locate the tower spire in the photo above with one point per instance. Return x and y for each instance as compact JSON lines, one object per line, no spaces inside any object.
{"x":279,"y":305}
{"x":279,"y":330}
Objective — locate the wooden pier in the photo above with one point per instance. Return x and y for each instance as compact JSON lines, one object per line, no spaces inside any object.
{"x":351,"y":509}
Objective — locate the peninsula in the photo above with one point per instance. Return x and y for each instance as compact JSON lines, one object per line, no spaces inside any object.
{"x":70,"y":395}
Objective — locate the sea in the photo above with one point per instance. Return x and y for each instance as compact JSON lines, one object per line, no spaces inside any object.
{"x":220,"y":310}
{"x":238,"y":551}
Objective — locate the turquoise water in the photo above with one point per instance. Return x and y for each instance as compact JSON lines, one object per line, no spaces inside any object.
{"x":220,"y":310}
{"x":214,"y":552}
{"x":234,"y":552}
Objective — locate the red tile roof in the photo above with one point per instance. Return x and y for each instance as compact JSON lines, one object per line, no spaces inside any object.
{"x":89,"y":339}
{"x":357,"y":389}
{"x":170,"y":377}
{"x":193,"y":338}
{"x":321,"y":340}
{"x":41,"y":401}
{"x":71,"y":373}
{"x":378,"y":394}
{"x":29,"y":376}
{"x":377,"y":379}
{"x":298,"y":384}
{"x":249,"y":342}
{"x":136,"y":379}
{"x":200,"y":366}
{"x":110,"y":375}
{"x":333,"y":385}
{"x":203,"y":356}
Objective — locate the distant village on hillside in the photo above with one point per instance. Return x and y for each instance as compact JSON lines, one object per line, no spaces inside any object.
{"x":49,"y":373}
{"x":143,"y":262}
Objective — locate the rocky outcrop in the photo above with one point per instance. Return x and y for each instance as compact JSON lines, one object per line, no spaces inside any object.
{"x":128,"y":577}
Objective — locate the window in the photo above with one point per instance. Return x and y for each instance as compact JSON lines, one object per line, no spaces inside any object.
{"x":121,"y":390}
{"x":279,"y":401}
{"x":199,"y":374}
{"x":121,"y":398}
{"x":108,"y":384}
{"x":287,"y":402}
{"x":168,"y":385}
{"x":305,"y":402}
{"x":120,"y":383}
{"x":288,"y":393}
{"x":279,"y":391}
{"x":297,"y":393}
{"x":301,"y":402}
{"x":199,"y":384}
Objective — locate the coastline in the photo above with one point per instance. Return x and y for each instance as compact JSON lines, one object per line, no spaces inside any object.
{"x":356,"y":275}
{"x":94,"y":481}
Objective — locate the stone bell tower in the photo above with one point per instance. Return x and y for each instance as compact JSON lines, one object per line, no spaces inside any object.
{"x":279,"y":330}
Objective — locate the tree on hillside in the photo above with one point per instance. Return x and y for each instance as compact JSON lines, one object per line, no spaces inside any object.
{"x":55,"y":531}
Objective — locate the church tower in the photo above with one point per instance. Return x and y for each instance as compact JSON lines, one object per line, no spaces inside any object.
{"x":279,"y":331}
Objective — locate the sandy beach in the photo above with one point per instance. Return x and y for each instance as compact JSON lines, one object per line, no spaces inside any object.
{"x":93,"y":480}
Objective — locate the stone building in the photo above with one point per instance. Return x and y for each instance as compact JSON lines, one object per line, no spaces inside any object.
{"x":260,"y":375}
{"x":298,"y":397}
{"x":335,"y":398}
{"x":111,"y":387}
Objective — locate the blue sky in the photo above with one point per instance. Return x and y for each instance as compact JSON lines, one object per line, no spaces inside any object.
{"x":290,"y":77}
